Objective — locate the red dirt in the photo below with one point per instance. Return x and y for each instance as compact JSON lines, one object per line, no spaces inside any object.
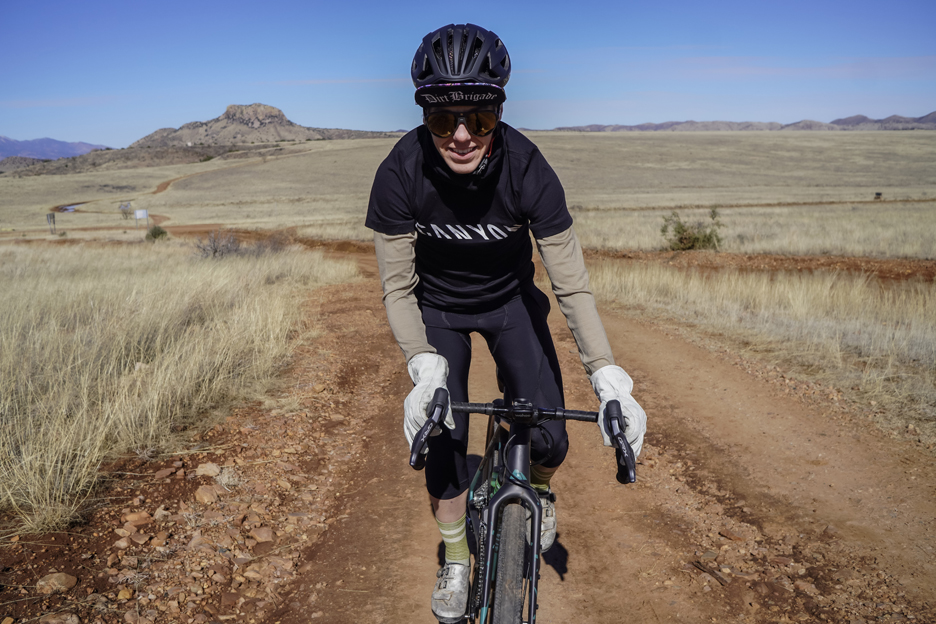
{"x":798,"y":509}
{"x":885,"y":268}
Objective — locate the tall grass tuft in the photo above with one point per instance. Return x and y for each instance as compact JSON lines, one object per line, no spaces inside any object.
{"x":875,"y":338}
{"x":104,"y":351}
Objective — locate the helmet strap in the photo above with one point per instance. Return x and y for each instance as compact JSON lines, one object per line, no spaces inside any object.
{"x":482,"y":166}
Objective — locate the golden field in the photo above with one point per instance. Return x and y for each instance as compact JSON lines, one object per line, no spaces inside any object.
{"x":107,"y":348}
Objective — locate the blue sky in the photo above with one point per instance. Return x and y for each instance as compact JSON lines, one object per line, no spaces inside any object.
{"x":112,"y":72}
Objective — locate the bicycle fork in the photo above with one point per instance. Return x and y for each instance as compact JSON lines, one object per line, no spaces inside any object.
{"x":516,"y":468}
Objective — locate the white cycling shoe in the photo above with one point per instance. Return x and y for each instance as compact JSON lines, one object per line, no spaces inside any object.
{"x":450,"y":594}
{"x":548,"y":532}
{"x":548,"y":525}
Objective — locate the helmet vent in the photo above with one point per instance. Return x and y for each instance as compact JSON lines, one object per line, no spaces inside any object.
{"x":437,"y":50}
{"x":451,"y":52}
{"x":426,"y":70}
{"x":476,"y":50}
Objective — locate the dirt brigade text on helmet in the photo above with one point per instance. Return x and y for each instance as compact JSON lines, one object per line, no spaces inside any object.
{"x":461,"y":65}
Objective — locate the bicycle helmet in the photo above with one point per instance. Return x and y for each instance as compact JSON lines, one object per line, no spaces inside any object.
{"x":460,"y":64}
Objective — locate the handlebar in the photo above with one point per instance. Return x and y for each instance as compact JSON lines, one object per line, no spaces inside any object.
{"x":435,"y":412}
{"x":523,"y":412}
{"x":626,"y":462}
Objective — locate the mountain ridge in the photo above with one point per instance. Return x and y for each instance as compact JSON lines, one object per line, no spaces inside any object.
{"x":855,"y":122}
{"x":44,"y":148}
{"x":260,"y":123}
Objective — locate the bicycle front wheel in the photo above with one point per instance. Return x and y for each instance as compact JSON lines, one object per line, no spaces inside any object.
{"x":508,"y":584}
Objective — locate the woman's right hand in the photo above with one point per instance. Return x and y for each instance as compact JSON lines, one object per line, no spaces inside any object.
{"x":428,"y":372}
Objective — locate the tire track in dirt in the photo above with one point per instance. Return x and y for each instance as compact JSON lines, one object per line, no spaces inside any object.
{"x":801,"y":515}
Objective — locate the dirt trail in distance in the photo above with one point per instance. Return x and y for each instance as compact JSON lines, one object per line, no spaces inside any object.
{"x":751,"y":506}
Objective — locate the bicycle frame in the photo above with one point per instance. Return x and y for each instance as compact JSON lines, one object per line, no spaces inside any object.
{"x":505,"y":468}
{"x":484,"y":509}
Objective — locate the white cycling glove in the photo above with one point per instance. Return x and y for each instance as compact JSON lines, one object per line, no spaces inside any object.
{"x":610,"y":383}
{"x":428,"y":372}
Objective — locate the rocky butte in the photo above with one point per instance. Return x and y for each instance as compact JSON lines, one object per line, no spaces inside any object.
{"x":245,"y":124}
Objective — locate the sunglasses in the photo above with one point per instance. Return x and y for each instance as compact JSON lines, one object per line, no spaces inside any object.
{"x":443,"y":124}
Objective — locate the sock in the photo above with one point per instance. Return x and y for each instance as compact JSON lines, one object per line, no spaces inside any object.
{"x":539,"y":477}
{"x":455,"y":536}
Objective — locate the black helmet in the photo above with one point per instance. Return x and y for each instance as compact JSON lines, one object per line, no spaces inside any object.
{"x":460,"y":64}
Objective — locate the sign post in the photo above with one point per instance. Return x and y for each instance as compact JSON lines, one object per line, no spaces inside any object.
{"x":50,"y":219}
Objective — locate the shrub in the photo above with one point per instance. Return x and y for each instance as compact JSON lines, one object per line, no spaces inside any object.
{"x":155,"y":233}
{"x":219,"y":244}
{"x":683,"y":236}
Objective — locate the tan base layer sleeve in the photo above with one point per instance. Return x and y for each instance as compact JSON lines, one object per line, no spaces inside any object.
{"x":396,"y":260}
{"x":562,"y":257}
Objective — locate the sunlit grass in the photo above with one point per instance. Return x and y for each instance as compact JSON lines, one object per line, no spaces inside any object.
{"x":108,"y":350}
{"x":875,"y":340}
{"x":894,"y":230}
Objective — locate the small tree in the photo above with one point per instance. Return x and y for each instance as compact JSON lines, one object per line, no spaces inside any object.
{"x":125,"y":210}
{"x":219,"y":244}
{"x":683,"y":236}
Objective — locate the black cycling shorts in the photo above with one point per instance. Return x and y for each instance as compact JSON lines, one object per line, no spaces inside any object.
{"x":519,"y":340}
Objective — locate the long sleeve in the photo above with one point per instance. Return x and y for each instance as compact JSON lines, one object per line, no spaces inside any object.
{"x":396,"y":260}
{"x":562,"y":257}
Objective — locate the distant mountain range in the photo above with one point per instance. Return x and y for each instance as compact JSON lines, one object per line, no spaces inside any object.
{"x":856,"y":122}
{"x":44,"y":148}
{"x":254,"y":126}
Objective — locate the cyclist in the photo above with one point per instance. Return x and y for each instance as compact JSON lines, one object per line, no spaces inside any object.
{"x":452,"y":208}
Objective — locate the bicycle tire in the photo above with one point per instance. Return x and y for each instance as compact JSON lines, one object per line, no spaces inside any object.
{"x":508,"y":584}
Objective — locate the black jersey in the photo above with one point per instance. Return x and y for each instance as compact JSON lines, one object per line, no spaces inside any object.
{"x":473,"y":249}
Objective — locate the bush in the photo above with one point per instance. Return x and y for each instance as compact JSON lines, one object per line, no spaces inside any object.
{"x":223,"y":243}
{"x":155,"y":233}
{"x":683,"y":236}
{"x":219,"y":244}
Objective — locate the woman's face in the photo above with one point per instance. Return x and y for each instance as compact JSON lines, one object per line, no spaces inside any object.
{"x":462,"y":151}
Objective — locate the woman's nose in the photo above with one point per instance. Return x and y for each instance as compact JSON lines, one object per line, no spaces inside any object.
{"x":461,"y":133}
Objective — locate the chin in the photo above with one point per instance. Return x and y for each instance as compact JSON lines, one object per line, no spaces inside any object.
{"x":463,"y":168}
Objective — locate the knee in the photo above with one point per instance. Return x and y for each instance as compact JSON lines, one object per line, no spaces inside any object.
{"x":551,"y":450}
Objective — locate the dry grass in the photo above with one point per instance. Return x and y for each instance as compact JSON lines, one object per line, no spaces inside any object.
{"x":108,"y":350}
{"x":674,"y":169}
{"x":889,"y":230}
{"x":314,"y":185}
{"x":876,"y":341}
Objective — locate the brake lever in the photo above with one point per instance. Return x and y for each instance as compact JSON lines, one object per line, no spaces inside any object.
{"x":626,"y":461}
{"x":435,"y":412}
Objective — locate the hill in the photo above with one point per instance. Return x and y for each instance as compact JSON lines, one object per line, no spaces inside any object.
{"x":43,"y":148}
{"x":12,"y":163}
{"x":242,"y":131}
{"x":239,"y":125}
{"x":855,"y":122}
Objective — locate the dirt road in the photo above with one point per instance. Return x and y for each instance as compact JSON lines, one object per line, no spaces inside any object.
{"x":796,"y":513}
{"x":752,"y":505}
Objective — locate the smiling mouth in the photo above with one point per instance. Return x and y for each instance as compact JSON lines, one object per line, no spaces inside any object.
{"x":463,"y":153}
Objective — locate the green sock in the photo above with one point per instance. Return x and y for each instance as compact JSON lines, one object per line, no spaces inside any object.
{"x":539,"y":477}
{"x":455,"y":536}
